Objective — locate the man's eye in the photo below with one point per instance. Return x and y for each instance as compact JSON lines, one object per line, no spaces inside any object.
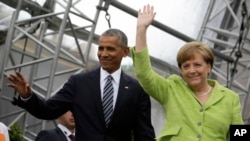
{"x":100,"y":48}
{"x":111,"y":48}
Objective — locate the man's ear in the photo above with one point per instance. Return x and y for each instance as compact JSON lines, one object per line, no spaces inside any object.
{"x":126,"y":51}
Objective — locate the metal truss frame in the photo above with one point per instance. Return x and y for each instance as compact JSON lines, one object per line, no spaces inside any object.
{"x":47,"y":64}
{"x":36,"y":52}
{"x":230,"y":36}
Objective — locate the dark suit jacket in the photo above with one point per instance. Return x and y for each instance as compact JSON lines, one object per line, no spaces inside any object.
{"x":82,"y":94}
{"x":55,"y":134}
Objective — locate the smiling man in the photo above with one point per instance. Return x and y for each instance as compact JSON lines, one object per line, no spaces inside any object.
{"x":129,"y":108}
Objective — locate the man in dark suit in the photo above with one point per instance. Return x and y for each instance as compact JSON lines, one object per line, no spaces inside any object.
{"x":83,"y":95}
{"x":64,"y":130}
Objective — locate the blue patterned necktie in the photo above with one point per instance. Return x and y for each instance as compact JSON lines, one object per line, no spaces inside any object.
{"x":107,"y":101}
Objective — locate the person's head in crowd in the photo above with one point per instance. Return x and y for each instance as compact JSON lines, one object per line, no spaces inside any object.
{"x":68,"y":121}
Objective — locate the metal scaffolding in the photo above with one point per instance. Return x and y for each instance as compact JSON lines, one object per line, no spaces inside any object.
{"x":47,"y":63}
{"x":230,"y":37}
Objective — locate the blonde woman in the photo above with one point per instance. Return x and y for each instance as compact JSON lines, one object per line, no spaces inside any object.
{"x":196,"y":108}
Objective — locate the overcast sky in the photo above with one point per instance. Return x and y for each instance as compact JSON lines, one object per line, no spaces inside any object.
{"x":184,"y":16}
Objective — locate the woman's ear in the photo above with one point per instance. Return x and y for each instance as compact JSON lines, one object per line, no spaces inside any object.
{"x":210,"y":68}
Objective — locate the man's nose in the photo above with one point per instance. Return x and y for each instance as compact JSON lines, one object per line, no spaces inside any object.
{"x":105,"y":52}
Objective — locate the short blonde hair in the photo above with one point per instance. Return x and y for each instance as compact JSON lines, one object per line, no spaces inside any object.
{"x":187,"y":51}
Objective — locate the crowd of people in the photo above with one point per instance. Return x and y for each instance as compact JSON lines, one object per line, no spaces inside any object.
{"x":195,"y":107}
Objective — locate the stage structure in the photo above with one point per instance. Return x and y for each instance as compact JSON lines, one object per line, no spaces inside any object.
{"x":35,"y":46}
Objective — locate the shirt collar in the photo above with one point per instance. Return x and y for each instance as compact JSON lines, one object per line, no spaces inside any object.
{"x":116,"y":75}
{"x":65,"y":130}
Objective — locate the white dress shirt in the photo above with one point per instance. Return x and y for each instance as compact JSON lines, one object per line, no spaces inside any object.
{"x":65,"y":130}
{"x":116,"y":81}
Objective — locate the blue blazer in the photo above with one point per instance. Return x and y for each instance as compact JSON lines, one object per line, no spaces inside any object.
{"x":82,"y":95}
{"x":55,"y":134}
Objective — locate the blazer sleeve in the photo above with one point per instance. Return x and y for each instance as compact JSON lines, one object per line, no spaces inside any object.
{"x":144,"y":130}
{"x":53,"y":107}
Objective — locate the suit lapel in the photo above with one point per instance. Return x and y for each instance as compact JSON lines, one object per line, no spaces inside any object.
{"x":61,"y":134}
{"x":95,"y":90}
{"x":215,"y":98}
{"x":122,"y":93}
